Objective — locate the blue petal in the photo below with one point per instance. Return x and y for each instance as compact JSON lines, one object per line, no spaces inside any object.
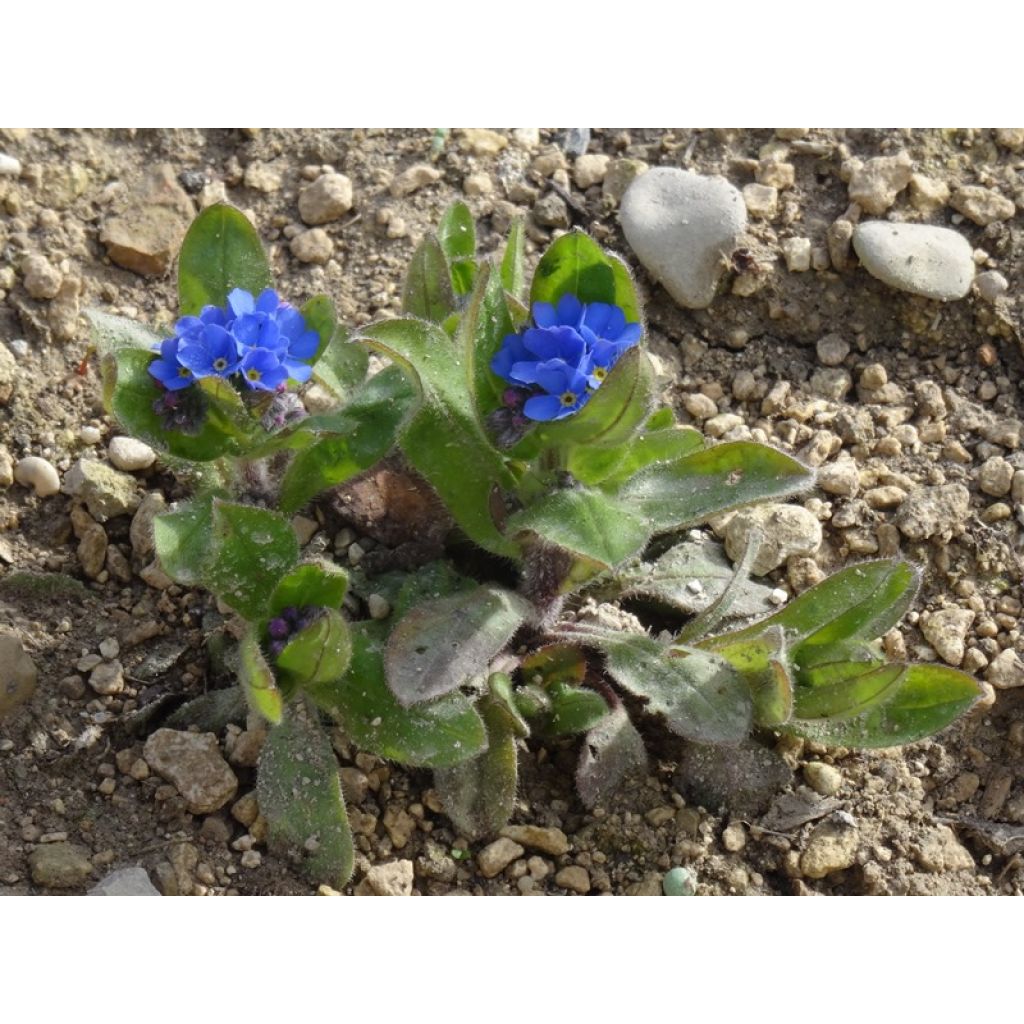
{"x":241,"y":302}
{"x":616,"y":324}
{"x":524,"y":372}
{"x":596,"y":317}
{"x":305,"y":346}
{"x":629,"y":335}
{"x":555,"y":343}
{"x":268,"y":301}
{"x":543,"y":407}
{"x":553,"y":378}
{"x":290,"y":321}
{"x":297,"y":371}
{"x":569,"y":310}
{"x":544,"y":314}
{"x":169,"y":374}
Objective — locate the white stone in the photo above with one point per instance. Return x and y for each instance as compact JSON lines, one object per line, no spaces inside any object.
{"x":130,"y":454}
{"x":125,"y":882}
{"x":90,"y":434}
{"x":682,"y":227}
{"x":937,"y":263}
{"x":991,"y":285}
{"x":786,"y":530}
{"x":38,"y":474}
{"x":946,"y":630}
{"x":9,"y":166}
{"x":797,"y":253}
{"x":761,"y":200}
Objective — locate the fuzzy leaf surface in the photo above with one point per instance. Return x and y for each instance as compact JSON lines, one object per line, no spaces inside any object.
{"x":428,"y":287}
{"x":221,"y":251}
{"x":457,"y":235}
{"x":438,"y":733}
{"x":611,"y":751}
{"x":299,"y":793}
{"x":442,"y":645}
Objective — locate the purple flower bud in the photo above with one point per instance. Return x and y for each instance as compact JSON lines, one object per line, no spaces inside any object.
{"x":276,"y":647}
{"x":278,"y":629}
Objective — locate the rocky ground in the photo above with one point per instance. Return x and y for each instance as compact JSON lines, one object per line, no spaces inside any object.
{"x":825,"y":337}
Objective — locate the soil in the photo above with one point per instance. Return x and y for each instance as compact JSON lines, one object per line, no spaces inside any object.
{"x":944,"y":816}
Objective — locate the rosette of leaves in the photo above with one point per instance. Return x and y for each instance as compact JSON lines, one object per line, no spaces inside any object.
{"x":576,"y":502}
{"x":246,"y":554}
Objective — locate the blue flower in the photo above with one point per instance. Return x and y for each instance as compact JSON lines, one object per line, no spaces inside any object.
{"x":571,"y":341}
{"x":262,"y":370}
{"x":566,"y":390}
{"x":267,"y":322}
{"x":209,"y":352}
{"x":167,"y":370}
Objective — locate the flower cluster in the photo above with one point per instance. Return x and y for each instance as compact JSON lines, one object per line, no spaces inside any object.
{"x":556,"y":366}
{"x":290,"y":622}
{"x":264,"y":341}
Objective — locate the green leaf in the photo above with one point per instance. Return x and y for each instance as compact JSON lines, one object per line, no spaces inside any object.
{"x":576,"y":265}
{"x":457,"y":235}
{"x":763,"y":663}
{"x":317,"y":654}
{"x":479,"y":795}
{"x":598,"y":529}
{"x":221,"y":252}
{"x":428,"y":288}
{"x":668,"y":444}
{"x":130,"y":392}
{"x":573,"y":710}
{"x":701,"y":697}
{"x":112,"y":333}
{"x":429,"y":583}
{"x":860,"y":602}
{"x":250,"y":547}
{"x":320,"y":317}
{"x":922,"y":700}
{"x":691,"y":576}
{"x":554,"y":663}
{"x":688,"y":491}
{"x":513,"y":271}
{"x":614,"y":412}
{"x":341,"y":364}
{"x":320,"y":584}
{"x":611,"y":751}
{"x":500,"y":686}
{"x":183,"y":539}
{"x":435,"y":734}
{"x":444,"y":644}
{"x":257,"y":679}
{"x":299,"y":794}
{"x":350,"y":441}
{"x":444,"y":440}
{"x":481,"y":331}
{"x":845,"y":689}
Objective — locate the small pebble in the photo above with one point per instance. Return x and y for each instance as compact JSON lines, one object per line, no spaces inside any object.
{"x":90,"y":435}
{"x":679,"y":882}
{"x":378,"y":606}
{"x":129,"y":454}
{"x":10,"y":167}
{"x":39,"y":474}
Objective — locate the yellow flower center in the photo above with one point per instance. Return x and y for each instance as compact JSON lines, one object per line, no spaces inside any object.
{"x":600,"y":372}
{"x":184,"y":371}
{"x":568,"y":398}
{"x":219,"y":364}
{"x":253,"y":374}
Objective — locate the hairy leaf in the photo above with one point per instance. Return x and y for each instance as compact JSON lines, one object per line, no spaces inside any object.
{"x":457,"y":235}
{"x":322,"y":584}
{"x":438,"y":733}
{"x":299,"y":794}
{"x":479,"y":795}
{"x":257,"y":679}
{"x":576,"y":265}
{"x":317,"y":654}
{"x":860,"y":602}
{"x":573,"y":710}
{"x":690,"y":576}
{"x":513,"y":272}
{"x":595,"y":527}
{"x":444,"y":644}
{"x":428,"y":288}
{"x":482,"y":329}
{"x":249,"y":547}
{"x":339,"y":364}
{"x":183,"y":539}
{"x":688,"y":491}
{"x":221,"y":252}
{"x":611,"y":751}
{"x":350,"y":441}
{"x":922,"y":700}
{"x":701,"y":697}
{"x":444,"y":440}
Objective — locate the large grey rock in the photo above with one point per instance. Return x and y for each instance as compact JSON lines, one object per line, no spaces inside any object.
{"x":937,"y":263}
{"x":192,"y":762}
{"x":125,"y":882}
{"x":683,"y":227}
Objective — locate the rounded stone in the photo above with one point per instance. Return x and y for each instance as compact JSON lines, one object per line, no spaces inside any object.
{"x":130,"y":454}
{"x":327,"y":199}
{"x":935,"y":262}
{"x":192,"y":762}
{"x":683,"y":227}
{"x":946,"y":630}
{"x":832,"y":846}
{"x":38,"y":474}
{"x":59,"y":865}
{"x":312,"y":246}
{"x":679,"y":882}
{"x":824,"y":779}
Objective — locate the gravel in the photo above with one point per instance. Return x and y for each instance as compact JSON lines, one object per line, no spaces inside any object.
{"x":38,"y":473}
